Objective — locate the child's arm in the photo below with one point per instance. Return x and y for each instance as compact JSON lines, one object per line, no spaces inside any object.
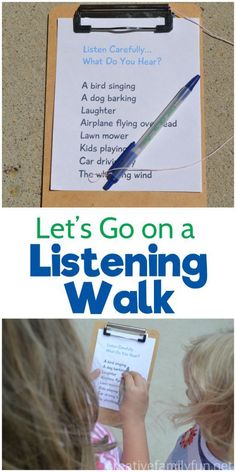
{"x":133,"y":410}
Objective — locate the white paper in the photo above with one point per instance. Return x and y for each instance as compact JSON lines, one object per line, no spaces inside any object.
{"x":113,"y":355}
{"x":90,"y":129}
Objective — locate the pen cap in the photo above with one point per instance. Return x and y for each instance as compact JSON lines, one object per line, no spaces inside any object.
{"x":191,"y":84}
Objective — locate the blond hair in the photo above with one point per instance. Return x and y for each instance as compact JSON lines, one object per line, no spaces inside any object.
{"x":49,"y":404}
{"x":209,"y":364}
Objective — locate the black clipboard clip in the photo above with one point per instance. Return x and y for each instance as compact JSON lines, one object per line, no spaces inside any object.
{"x":124,"y":10}
{"x":124,"y":331}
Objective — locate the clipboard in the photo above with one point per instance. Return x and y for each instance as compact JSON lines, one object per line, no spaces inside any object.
{"x":108,"y":416}
{"x":58,"y":198}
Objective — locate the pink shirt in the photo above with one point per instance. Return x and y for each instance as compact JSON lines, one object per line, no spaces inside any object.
{"x":108,"y":460}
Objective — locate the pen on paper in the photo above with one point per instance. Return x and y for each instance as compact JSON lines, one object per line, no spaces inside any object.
{"x":128,"y":156}
{"x":122,"y":388}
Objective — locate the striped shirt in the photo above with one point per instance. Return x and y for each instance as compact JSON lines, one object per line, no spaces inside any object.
{"x":108,"y":460}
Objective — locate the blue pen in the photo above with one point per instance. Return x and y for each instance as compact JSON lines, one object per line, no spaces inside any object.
{"x":127,"y":157}
{"x":122,"y":388}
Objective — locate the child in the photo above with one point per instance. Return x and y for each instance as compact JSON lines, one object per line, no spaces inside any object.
{"x":50,"y":408}
{"x":209,"y":376}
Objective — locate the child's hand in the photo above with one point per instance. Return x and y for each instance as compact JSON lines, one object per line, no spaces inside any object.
{"x":95,"y":374}
{"x":135,"y":402}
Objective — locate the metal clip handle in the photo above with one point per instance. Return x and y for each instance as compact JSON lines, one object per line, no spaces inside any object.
{"x":124,"y":331}
{"x":153,"y":10}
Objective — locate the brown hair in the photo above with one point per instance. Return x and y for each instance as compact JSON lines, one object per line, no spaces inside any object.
{"x":49,"y":404}
{"x":209,"y":368}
